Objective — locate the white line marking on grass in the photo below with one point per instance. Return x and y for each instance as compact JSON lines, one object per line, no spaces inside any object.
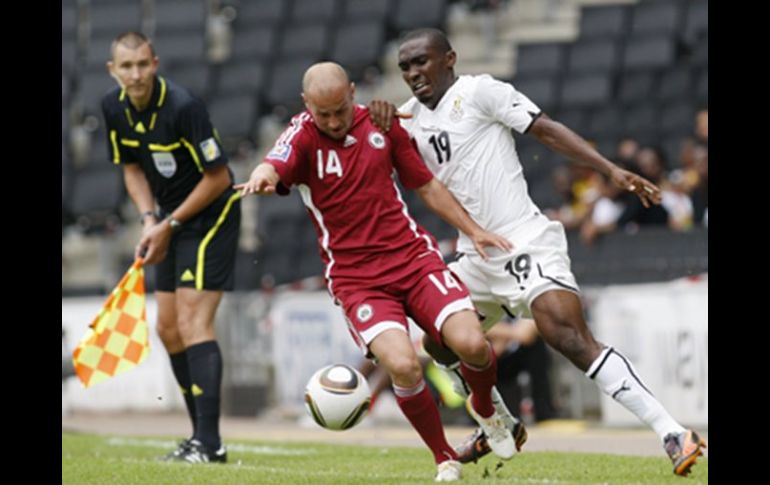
{"x":257,"y":450}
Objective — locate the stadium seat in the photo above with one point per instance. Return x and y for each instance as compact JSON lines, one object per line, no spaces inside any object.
{"x":640,"y":121}
{"x":677,"y":117}
{"x":696,"y":20}
{"x":193,"y":76}
{"x":284,"y":86}
{"x":93,"y":86}
{"x":594,"y":56}
{"x":310,"y":40}
{"x":234,"y":116}
{"x":605,"y":121}
{"x":314,"y":11}
{"x":180,"y":47}
{"x":700,"y":52}
{"x":108,"y":19}
{"x":675,"y":84}
{"x":358,"y":45}
{"x":409,"y":14}
{"x":68,"y":55}
{"x":586,"y":90}
{"x":263,"y":12}
{"x":97,"y":193}
{"x":540,"y":59}
{"x":649,"y":52}
{"x":702,"y":90}
{"x":576,"y":118}
{"x":171,"y":15}
{"x":98,"y":52}
{"x":366,"y":9}
{"x":242,"y":77}
{"x":543,"y":91}
{"x":609,"y":21}
{"x":656,"y":17}
{"x":69,"y":20}
{"x":634,"y":87}
{"x":255,"y":42}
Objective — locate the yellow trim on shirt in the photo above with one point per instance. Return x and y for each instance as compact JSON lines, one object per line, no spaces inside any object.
{"x":156,"y":147}
{"x":193,"y":153}
{"x":115,"y":151}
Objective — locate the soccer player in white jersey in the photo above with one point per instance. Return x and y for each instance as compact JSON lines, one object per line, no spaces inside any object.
{"x":461,"y":126}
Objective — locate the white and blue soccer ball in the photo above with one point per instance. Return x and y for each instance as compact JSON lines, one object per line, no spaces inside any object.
{"x":337,"y":397}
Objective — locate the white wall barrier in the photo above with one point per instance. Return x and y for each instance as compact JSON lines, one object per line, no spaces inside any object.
{"x":663,"y":329}
{"x":309,"y":332}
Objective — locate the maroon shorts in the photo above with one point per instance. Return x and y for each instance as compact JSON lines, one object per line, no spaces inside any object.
{"x":428,"y":300}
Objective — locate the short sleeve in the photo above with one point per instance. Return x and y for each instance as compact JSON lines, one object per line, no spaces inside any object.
{"x":501,"y":102}
{"x":288,"y":155}
{"x":406,"y":159}
{"x":195,"y":127}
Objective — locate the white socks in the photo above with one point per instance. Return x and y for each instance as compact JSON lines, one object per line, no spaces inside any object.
{"x":615,"y":375}
{"x":462,"y":389}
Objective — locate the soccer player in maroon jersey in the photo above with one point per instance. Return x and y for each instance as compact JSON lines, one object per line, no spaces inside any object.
{"x":381,"y":266}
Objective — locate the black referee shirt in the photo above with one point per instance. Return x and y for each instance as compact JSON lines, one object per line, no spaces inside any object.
{"x":172,"y":139}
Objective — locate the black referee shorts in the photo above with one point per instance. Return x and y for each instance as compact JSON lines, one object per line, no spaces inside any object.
{"x":202,"y":254}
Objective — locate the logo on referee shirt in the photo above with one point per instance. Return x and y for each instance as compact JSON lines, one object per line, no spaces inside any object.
{"x":376,"y":140}
{"x":364,"y":312}
{"x":210,"y":149}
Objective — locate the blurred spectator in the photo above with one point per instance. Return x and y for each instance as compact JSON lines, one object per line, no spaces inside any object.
{"x":522,"y":369}
{"x":700,"y":194}
{"x":605,"y":212}
{"x":578,"y":185}
{"x":626,"y":152}
{"x":702,"y":126}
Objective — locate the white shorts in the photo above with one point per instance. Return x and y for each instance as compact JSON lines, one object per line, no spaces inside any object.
{"x":511,"y":281}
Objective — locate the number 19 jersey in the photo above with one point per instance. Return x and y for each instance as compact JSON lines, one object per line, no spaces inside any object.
{"x":467,"y":144}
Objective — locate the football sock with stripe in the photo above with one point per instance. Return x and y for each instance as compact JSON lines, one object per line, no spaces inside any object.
{"x":615,"y":375}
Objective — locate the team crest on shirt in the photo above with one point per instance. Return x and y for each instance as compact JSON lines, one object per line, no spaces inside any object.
{"x":165,"y":163}
{"x":376,"y":140}
{"x":280,"y":152}
{"x":210,"y":149}
{"x":457,"y":109}
{"x":364,"y":312}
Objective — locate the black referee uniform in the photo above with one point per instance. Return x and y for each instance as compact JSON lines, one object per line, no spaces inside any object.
{"x":174,"y":142}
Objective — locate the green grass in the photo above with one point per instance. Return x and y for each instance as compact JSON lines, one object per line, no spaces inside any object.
{"x":88,"y":459}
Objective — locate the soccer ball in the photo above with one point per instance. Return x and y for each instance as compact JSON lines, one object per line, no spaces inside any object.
{"x":337,"y":397}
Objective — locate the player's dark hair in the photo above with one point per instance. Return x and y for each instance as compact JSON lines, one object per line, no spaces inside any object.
{"x":437,"y":38}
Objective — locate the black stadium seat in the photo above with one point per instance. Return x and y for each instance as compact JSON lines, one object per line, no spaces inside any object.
{"x":604,"y":22}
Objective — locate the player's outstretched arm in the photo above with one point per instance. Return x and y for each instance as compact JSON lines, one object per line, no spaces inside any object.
{"x":382,"y":114}
{"x":561,"y":139}
{"x":262,"y":181}
{"x":442,"y":202}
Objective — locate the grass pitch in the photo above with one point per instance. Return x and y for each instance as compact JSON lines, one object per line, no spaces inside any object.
{"x":89,"y":459}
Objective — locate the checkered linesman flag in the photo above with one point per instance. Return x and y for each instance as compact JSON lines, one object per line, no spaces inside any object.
{"x":117,"y":340}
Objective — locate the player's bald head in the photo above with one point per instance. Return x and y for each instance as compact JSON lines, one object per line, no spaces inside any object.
{"x":325,"y":79}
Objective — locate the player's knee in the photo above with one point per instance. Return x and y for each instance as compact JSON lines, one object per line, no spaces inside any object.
{"x":473,"y":348}
{"x":404,"y":370}
{"x":441,"y":354}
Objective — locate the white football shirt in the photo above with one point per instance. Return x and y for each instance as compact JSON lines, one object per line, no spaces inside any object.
{"x":467,"y":144}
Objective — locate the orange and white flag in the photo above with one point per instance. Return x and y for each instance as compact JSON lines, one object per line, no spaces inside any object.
{"x":117,"y":340}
